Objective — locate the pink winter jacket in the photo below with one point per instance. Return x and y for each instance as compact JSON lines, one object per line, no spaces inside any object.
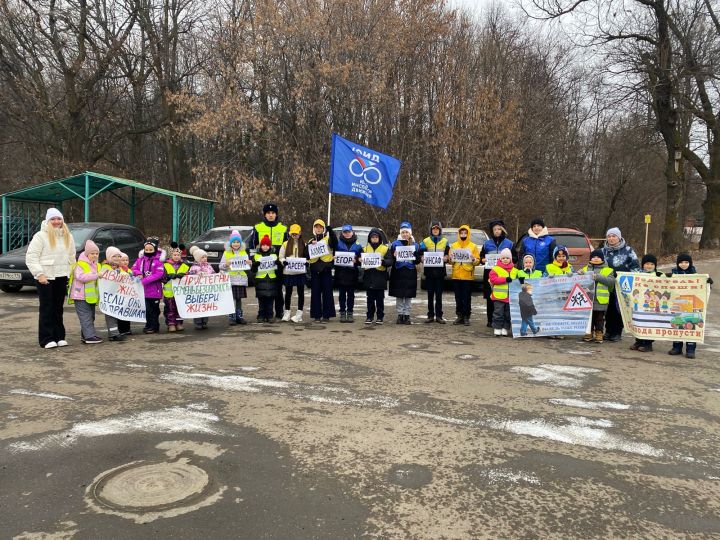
{"x":80,"y":278}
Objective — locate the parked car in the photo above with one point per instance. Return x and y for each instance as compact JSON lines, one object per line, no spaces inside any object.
{"x":577,"y":242}
{"x":478,"y":237}
{"x":213,"y":241}
{"x":14,"y":273}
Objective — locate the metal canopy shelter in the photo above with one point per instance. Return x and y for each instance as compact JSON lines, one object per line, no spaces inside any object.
{"x":24,"y":210}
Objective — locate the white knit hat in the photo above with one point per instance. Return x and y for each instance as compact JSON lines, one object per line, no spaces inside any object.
{"x":111,"y":252}
{"x":53,"y":213}
{"x":197,"y":253}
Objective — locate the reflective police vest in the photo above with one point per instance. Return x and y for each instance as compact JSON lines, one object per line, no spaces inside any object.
{"x":229,"y":255}
{"x":91,"y":292}
{"x":553,"y":269}
{"x":264,"y":274}
{"x":382,"y":250}
{"x":170,"y":269}
{"x":532,"y":275}
{"x":500,"y":291}
{"x":324,"y":258}
{"x":276,"y":233}
{"x":602,"y":292}
{"x":432,"y":246}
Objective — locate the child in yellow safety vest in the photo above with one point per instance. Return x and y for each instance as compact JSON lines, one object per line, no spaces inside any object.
{"x":233,"y":262}
{"x":84,"y":292}
{"x":175,"y":269}
{"x":266,"y":279}
{"x":559,"y":265}
{"x":501,"y":276}
{"x":604,"y":279}
{"x":112,"y":263}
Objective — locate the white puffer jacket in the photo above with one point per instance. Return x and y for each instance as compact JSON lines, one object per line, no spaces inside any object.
{"x":52,"y":263}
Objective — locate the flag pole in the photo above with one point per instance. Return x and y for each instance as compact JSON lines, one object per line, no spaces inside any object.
{"x":329,"y":206}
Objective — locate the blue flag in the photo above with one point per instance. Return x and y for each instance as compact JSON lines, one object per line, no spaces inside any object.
{"x":360,"y":172}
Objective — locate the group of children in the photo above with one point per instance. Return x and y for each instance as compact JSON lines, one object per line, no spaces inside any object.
{"x":157,"y":269}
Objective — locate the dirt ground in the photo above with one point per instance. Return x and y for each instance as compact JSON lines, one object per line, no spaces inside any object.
{"x":342,"y":431}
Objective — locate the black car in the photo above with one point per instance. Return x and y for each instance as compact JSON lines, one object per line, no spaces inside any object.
{"x":213,"y":242}
{"x":14,"y":273}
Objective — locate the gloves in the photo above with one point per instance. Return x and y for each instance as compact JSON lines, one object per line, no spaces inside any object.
{"x":668,"y":274}
{"x":171,"y":276}
{"x":508,"y":280}
{"x":179,"y":276}
{"x":710,"y":280}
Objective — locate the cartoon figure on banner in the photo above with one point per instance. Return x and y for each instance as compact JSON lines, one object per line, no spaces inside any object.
{"x":636,"y":299}
{"x":527,"y":310}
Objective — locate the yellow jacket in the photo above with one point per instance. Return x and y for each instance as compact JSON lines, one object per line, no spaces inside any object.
{"x":464,"y":271}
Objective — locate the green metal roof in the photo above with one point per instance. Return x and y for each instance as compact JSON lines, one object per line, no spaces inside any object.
{"x":74,"y":187}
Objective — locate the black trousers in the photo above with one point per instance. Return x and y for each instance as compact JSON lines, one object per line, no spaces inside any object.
{"x":123,"y":327}
{"x":435,"y":287}
{"x":52,"y":300}
{"x":152,"y":314}
{"x":490,"y":310}
{"x":463,"y":292}
{"x":613,"y":319}
{"x":279,"y":296}
{"x":375,"y":303}
{"x":300,"y":293}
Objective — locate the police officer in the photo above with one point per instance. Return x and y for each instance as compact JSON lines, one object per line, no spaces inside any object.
{"x":277,"y":232}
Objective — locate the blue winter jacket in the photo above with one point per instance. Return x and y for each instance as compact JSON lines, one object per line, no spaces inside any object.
{"x":621,"y":257}
{"x":540,"y":247}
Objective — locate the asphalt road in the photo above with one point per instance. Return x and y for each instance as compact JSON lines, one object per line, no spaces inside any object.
{"x":343,"y":431}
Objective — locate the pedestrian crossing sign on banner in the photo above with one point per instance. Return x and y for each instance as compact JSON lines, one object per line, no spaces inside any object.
{"x":626,"y":284}
{"x":578,"y":300}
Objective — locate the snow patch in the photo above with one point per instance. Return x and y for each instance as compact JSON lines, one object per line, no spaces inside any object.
{"x":594,"y":405}
{"x":49,"y":395}
{"x":505,"y":475}
{"x":236,"y":383}
{"x":557,"y":375}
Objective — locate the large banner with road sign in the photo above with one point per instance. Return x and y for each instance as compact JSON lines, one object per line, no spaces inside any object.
{"x":558,"y":306}
{"x":121,"y":296}
{"x":663,"y":308}
{"x":203,"y":295}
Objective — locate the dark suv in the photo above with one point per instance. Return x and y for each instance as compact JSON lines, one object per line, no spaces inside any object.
{"x":14,"y":273}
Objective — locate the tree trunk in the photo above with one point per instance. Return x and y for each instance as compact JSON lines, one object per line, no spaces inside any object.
{"x":672,"y":235}
{"x":710,"y":238}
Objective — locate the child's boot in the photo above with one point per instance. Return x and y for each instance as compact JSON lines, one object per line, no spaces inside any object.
{"x":239,"y":316}
{"x":598,"y":336}
{"x":497,"y":332}
{"x":676,"y":348}
{"x":179,"y":326}
{"x":286,"y":316}
{"x":349,"y":317}
{"x":297,"y":318}
{"x":587,"y":338}
{"x":232,"y":319}
{"x":343,"y":316}
{"x":172,"y":328}
{"x":690,"y":350}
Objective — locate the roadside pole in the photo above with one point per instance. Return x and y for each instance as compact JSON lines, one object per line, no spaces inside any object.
{"x":648,"y":219}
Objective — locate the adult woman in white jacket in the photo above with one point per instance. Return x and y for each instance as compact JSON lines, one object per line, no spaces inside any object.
{"x":50,"y":258}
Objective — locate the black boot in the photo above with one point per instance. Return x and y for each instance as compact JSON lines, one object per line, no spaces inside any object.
{"x":460,"y":320}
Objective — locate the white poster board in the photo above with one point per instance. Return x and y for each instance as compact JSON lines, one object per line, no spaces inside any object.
{"x":241,"y":263}
{"x":461,"y":255}
{"x":121,"y":296}
{"x":344,"y":258}
{"x":267,"y":264}
{"x":371,"y":260}
{"x":491,"y":260}
{"x":295,"y":265}
{"x":433,"y":259}
{"x":405,"y":253}
{"x":204,"y":295}
{"x":318,"y":249}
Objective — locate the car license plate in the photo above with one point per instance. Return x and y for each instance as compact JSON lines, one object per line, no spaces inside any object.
{"x":11,"y":276}
{"x":573,"y":258}
{"x":212,"y":253}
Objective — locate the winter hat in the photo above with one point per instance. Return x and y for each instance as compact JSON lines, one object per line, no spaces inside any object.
{"x":265,"y":241}
{"x":347,"y":228}
{"x":537,"y":221}
{"x":615,"y":231}
{"x":505,"y":253}
{"x":500,"y":222}
{"x":270,"y":207}
{"x":405,"y":225}
{"x":91,"y":247}
{"x":597,"y":253}
{"x":528,"y":256}
{"x":154,"y":241}
{"x":375,"y":232}
{"x":53,"y":213}
{"x":295,"y":229}
{"x":649,"y":258}
{"x":235,"y":236}
{"x":435,"y":224}
{"x":319,"y":222}
{"x":175,"y":248}
{"x":558,"y":249}
{"x":197,"y":253}
{"x":124,"y":256}
{"x":111,"y":252}
{"x":684,"y":257}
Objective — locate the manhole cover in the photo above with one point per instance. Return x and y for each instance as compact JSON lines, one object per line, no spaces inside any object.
{"x":145,"y":487}
{"x":410,"y":475}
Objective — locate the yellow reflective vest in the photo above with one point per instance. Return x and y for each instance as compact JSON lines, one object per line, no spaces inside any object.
{"x":170,"y":269}
{"x":382,"y":250}
{"x":602,"y":292}
{"x":553,"y":269}
{"x":532,"y":275}
{"x":501,"y":290}
{"x":276,"y":233}
{"x":91,"y":290}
